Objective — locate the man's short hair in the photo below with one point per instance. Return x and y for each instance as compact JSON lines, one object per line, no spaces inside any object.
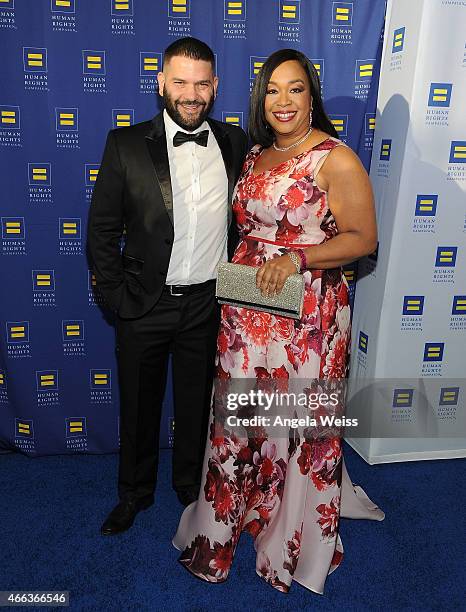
{"x":192,"y":48}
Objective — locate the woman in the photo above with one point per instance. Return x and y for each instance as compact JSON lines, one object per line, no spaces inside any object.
{"x":303,"y":202}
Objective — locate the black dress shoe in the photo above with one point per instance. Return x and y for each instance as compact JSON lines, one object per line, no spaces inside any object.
{"x":188,"y":496}
{"x":122,"y":516}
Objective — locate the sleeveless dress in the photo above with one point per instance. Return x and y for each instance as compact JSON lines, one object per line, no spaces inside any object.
{"x":288,"y":494}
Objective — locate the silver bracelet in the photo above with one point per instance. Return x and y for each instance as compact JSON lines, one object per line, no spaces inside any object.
{"x":296,"y":260}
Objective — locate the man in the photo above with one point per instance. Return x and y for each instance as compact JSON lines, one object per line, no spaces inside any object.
{"x":169,"y":183}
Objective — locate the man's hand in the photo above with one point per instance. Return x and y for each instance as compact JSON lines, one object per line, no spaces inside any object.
{"x":271,"y":277}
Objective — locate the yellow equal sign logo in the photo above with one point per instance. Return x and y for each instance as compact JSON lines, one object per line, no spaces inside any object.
{"x":179,"y":6}
{"x":121,"y":5}
{"x":70,"y":227}
{"x":365,"y":70}
{"x":123,"y":120}
{"x":65,"y":119}
{"x":342,"y":13}
{"x":24,"y":428}
{"x":8,"y":117}
{"x":339,"y":124}
{"x":43,"y":280}
{"x":39,"y":174}
{"x":93,"y":172}
{"x":398,"y":40}
{"x":47,"y":380}
{"x":371,"y":123}
{"x":413,"y":304}
{"x":72,"y":329}
{"x":318,"y":67}
{"x":94,"y":62}
{"x":35,"y":59}
{"x":439,"y":94}
{"x":446,"y":256}
{"x":13,"y":227}
{"x":234,"y":8}
{"x":100,"y":379}
{"x":257,"y":66}
{"x":433,"y":351}
{"x":403,"y":398}
{"x":289,"y":11}
{"x":76,"y":426}
{"x":151,"y":64}
{"x":17,"y":331}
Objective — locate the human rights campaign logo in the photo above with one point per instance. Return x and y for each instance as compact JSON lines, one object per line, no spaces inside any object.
{"x":459,"y":305}
{"x":122,"y":8}
{"x":91,"y":171}
{"x":413,"y":305}
{"x":289,"y":11}
{"x":150,"y":63}
{"x":446,"y":257}
{"x":364,"y":70}
{"x":10,"y":117}
{"x":402,"y":398}
{"x":72,"y":330}
{"x":426,"y":205}
{"x":43,"y":280}
{"x":398,"y":40}
{"x":100,"y":380}
{"x":93,"y":62}
{"x":179,"y":9}
{"x":13,"y":228}
{"x":76,"y":427}
{"x":369,"y":124}
{"x":233,"y":118}
{"x":449,"y":396}
{"x":234,"y":10}
{"x":17,"y":331}
{"x":47,"y":380}
{"x":385,"y":149}
{"x":340,"y":123}
{"x":24,"y":428}
{"x":458,"y":152}
{"x":40,"y":174}
{"x":66,"y":119}
{"x":122,"y":117}
{"x":433,"y":351}
{"x":440,"y":94}
{"x":8,"y":4}
{"x":63,"y":6}
{"x":35,"y":59}
{"x":255,"y":64}
{"x":342,"y":14}
{"x":363,"y":342}
{"x":69,"y":228}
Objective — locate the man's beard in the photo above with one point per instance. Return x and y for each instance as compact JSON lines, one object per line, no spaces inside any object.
{"x":187,"y":123}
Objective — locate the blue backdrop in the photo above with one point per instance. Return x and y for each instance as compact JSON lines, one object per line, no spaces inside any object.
{"x":72,"y":70}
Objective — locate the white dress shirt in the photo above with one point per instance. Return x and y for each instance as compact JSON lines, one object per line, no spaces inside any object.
{"x":200,"y":207}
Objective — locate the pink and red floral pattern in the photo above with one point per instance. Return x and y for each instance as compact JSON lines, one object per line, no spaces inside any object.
{"x":284,"y":492}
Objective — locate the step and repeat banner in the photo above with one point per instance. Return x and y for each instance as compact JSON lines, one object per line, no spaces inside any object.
{"x":70,"y":71}
{"x":409,"y":323}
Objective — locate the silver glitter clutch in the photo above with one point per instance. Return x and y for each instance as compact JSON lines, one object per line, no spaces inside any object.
{"x":236,"y":286}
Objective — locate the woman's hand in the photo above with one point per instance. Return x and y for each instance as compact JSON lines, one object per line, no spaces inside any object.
{"x":271,"y":277}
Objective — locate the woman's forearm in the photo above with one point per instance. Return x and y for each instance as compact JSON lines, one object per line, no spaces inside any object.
{"x":339,"y":250}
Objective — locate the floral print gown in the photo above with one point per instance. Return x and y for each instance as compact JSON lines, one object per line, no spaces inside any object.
{"x":288,"y":494}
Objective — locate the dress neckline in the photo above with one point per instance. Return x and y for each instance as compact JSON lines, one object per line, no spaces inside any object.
{"x":286,"y":160}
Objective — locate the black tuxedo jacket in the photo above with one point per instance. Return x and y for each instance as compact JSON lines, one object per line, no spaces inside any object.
{"x":133,"y":194}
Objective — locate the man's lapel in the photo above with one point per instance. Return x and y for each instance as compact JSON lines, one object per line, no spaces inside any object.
{"x":226,"y":149}
{"x":156,"y":141}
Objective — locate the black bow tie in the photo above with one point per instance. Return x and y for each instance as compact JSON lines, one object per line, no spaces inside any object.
{"x":200,"y":138}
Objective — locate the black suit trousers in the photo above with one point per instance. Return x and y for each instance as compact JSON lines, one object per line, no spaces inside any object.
{"x":187,"y":327}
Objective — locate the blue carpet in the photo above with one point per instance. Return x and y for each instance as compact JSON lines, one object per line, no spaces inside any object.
{"x":52,"y":508}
